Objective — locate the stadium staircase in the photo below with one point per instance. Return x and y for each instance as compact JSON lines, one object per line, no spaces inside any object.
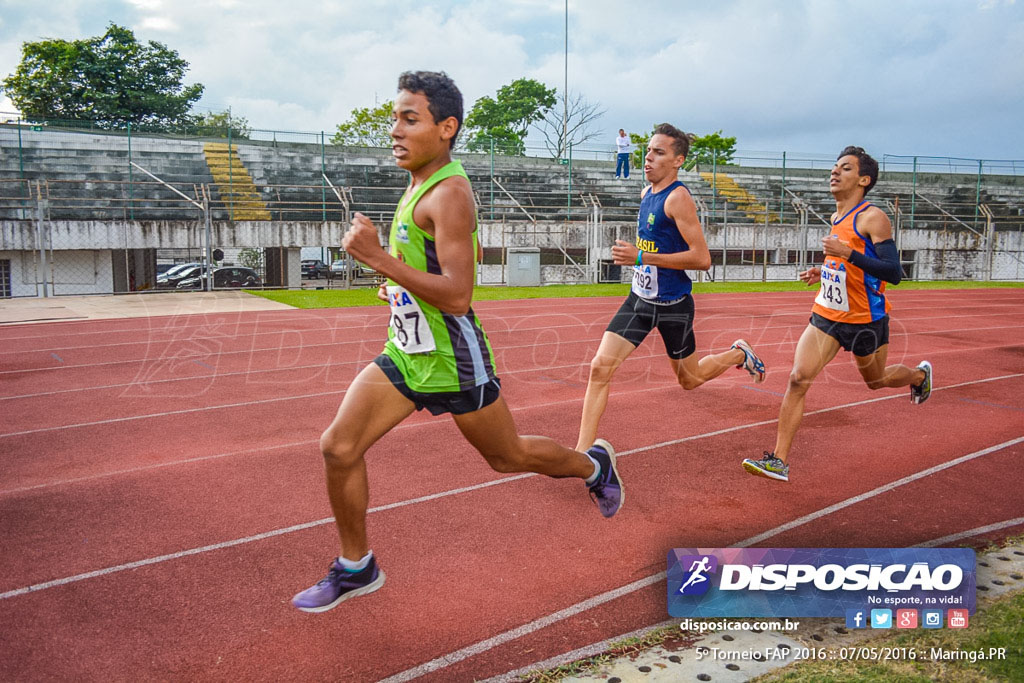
{"x":234,"y":184}
{"x":725,"y":186}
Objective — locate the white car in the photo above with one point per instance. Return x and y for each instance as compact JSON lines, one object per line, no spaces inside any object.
{"x":358,"y":269}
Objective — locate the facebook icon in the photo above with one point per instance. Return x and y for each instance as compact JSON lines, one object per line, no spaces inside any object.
{"x":856,"y":618}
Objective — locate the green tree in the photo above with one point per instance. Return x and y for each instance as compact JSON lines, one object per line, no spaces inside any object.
{"x":712,"y":148}
{"x":366,"y":127}
{"x":506,"y":118}
{"x":216,"y":124}
{"x":640,"y":147}
{"x":111,"y":79}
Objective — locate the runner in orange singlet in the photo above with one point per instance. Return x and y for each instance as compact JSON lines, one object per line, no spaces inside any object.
{"x":851,"y":310}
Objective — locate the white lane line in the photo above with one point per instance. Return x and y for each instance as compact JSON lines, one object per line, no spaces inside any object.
{"x":248,"y":539}
{"x":970,"y":533}
{"x":213,"y":333}
{"x":604,"y":645}
{"x":184,"y":411}
{"x":668,"y":385}
{"x":520,"y":631}
{"x":442,"y":494}
{"x":698,"y":330}
{"x":908,"y":299}
{"x":326,"y":365}
{"x":800,"y":521}
{"x":762,"y":423}
{"x":374,"y":323}
{"x":580,"y":653}
{"x":573,"y":610}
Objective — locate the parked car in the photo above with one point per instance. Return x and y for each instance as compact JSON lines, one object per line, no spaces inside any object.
{"x":358,"y":269}
{"x":315,"y":269}
{"x":224,"y":278}
{"x":172,"y":277}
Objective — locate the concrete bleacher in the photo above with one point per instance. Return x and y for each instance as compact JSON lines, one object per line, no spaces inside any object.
{"x":957,"y":196}
{"x":87,"y":175}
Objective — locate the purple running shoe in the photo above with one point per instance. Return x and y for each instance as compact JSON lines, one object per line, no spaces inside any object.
{"x":608,"y":491}
{"x":339,"y":585}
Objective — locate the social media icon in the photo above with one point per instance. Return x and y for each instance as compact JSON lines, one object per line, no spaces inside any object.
{"x":881,"y":618}
{"x":906,"y":618}
{"x":931,"y":618}
{"x":856,"y":618}
{"x":957,"y":618}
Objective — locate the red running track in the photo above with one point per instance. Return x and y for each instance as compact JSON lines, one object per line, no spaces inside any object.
{"x":161,"y":494}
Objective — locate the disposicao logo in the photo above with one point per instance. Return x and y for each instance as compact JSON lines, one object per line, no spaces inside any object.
{"x":696,"y":581}
{"x":817,"y":582}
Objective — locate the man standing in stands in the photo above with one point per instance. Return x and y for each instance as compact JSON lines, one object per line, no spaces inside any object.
{"x":623,"y":145}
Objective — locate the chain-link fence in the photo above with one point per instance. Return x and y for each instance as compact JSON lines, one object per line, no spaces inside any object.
{"x":90,"y":210}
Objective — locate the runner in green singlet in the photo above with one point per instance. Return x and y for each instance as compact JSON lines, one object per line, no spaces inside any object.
{"x":437,"y":355}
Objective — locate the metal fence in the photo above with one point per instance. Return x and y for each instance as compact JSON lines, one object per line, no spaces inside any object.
{"x":153,"y":199}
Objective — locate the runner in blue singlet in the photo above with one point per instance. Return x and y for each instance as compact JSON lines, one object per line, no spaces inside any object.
{"x":669,"y":241}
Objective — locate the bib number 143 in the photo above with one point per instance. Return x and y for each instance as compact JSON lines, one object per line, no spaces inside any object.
{"x":833,"y":290}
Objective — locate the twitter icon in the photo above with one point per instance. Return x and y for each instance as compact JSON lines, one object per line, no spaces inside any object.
{"x":881,"y":618}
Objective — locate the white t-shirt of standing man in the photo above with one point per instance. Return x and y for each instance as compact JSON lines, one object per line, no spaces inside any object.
{"x":622,"y":142}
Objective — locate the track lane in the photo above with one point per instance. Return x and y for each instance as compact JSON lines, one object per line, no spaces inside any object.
{"x":250,"y":647}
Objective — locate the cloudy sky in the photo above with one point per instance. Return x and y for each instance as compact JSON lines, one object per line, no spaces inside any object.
{"x":926,"y":77}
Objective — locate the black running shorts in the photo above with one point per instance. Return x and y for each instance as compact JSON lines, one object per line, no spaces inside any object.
{"x":636,"y":318}
{"x":862,"y":339}
{"x":454,"y":402}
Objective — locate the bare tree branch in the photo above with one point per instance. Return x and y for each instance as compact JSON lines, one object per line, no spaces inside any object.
{"x":582,"y":116}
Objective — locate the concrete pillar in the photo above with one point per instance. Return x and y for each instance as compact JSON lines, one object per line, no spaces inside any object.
{"x":293,"y":271}
{"x":284,"y":267}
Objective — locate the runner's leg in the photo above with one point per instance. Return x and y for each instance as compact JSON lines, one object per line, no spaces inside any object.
{"x":878,"y":375}
{"x":814,"y":350}
{"x":492,"y":431}
{"x":371,"y":408}
{"x":692,"y":372}
{"x":613,"y":350}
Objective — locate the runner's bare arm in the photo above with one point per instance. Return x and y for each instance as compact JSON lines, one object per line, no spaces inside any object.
{"x":679,"y":207}
{"x":448,"y":212}
{"x":811,"y":276}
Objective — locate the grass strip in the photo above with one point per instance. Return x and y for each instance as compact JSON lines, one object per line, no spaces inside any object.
{"x":344,"y":298}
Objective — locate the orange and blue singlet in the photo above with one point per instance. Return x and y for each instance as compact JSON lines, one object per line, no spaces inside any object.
{"x":847,"y":293}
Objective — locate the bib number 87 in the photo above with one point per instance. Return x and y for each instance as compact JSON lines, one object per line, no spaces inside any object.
{"x":400,"y":330}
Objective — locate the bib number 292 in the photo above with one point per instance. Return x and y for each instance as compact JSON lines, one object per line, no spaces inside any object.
{"x":645,"y":281}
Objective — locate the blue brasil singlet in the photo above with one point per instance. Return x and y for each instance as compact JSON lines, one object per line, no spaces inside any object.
{"x":656,"y":233}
